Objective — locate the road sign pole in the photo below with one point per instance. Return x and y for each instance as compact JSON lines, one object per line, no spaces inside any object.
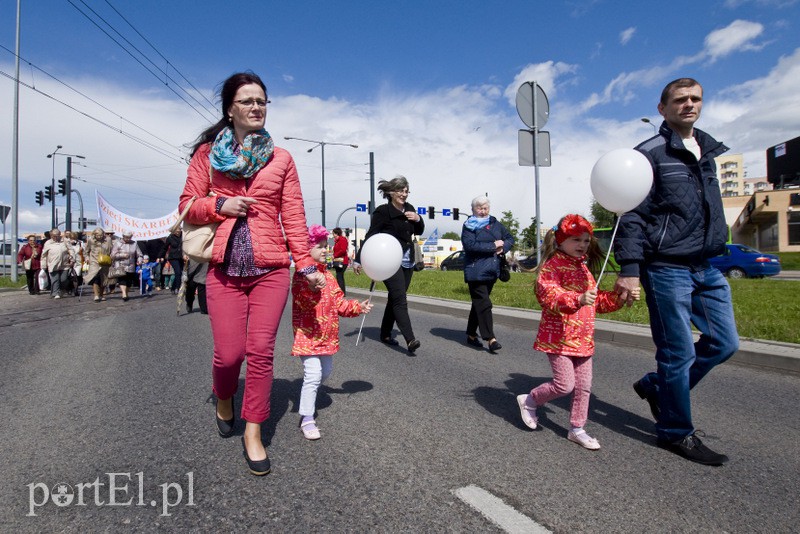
{"x":536,"y":174}
{"x":534,"y":110}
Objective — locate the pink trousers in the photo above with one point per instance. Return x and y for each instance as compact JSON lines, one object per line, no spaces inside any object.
{"x":245,"y":313}
{"x":570,"y":374}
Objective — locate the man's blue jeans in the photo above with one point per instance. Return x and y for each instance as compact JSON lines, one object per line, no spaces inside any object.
{"x":676,"y":299}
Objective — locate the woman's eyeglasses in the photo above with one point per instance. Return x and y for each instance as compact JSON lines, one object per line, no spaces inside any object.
{"x":250,"y":102}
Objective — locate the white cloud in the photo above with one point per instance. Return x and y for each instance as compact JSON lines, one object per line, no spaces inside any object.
{"x":545,"y":74}
{"x":733,"y":4}
{"x":756,"y":114}
{"x":626,"y":35}
{"x":736,"y":36}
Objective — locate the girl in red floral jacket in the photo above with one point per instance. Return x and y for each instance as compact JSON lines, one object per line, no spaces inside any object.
{"x":315,"y":320}
{"x":569,"y":297}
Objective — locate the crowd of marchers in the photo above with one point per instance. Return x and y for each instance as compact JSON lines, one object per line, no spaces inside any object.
{"x":66,"y":264}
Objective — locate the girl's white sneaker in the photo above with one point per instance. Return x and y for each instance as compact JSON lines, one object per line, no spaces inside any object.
{"x":528,"y":414}
{"x":583,"y":439}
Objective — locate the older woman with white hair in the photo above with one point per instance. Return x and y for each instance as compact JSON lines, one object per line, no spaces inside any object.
{"x":484,"y":239}
{"x":98,"y":255}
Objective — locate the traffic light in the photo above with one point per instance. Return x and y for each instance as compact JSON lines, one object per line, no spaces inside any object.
{"x":455,"y":214}
{"x":40,"y":198}
{"x":48,"y":192}
{"x":62,"y":187}
{"x":431,"y":212}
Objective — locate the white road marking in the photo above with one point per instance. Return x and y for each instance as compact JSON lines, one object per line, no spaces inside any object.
{"x":498,"y":512}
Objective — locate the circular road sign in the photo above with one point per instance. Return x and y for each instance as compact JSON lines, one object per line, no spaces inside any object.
{"x":525,"y":105}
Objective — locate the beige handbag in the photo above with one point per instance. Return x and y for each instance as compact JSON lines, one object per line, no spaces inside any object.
{"x":198,"y":239}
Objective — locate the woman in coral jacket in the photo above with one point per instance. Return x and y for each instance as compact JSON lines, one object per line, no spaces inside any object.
{"x":251,"y":188}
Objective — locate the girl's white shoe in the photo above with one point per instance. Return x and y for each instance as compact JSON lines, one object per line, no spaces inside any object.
{"x":583,"y":439}
{"x":310,"y":430}
{"x":528,"y":414}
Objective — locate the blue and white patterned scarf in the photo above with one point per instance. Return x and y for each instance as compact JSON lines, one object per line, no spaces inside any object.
{"x":475,"y":223}
{"x":250,"y":157}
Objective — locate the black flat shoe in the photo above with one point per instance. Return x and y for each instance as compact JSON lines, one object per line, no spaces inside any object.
{"x":225,"y":427}
{"x":258,"y":468}
{"x":413,"y":345}
{"x":475,"y":342}
{"x":390,"y":341}
{"x":494,"y":346}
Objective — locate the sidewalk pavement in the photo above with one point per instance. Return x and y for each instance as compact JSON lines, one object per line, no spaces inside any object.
{"x":754,"y":353}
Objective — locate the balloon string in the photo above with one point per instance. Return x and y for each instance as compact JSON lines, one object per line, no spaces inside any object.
{"x":613,"y":235}
{"x":364,"y":317}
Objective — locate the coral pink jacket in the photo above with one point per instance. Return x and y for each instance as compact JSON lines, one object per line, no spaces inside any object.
{"x":315,"y":315}
{"x":566,"y":327}
{"x":279,"y":210}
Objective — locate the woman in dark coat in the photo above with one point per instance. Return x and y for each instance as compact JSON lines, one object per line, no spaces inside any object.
{"x":399,"y":219}
{"x":484,"y":240}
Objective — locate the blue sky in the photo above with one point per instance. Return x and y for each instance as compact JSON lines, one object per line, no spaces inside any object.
{"x":427,"y":86}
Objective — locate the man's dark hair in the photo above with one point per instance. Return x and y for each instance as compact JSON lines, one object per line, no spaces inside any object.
{"x":680,"y":82}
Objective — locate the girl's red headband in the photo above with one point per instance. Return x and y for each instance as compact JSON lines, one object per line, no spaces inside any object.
{"x":572,"y":225}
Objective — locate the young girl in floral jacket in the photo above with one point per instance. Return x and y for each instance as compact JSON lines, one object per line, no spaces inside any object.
{"x":315,"y":320}
{"x":569,"y":297}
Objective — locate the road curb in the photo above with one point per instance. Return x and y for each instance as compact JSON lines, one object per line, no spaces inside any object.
{"x":772,"y":355}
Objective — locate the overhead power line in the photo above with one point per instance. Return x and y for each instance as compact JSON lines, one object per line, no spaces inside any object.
{"x":200,"y":111}
{"x":139,"y":140}
{"x":90,"y":99}
{"x":210,"y":103}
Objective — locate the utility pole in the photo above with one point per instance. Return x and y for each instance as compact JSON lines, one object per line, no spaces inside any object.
{"x":371,"y":183}
{"x":68,"y":225}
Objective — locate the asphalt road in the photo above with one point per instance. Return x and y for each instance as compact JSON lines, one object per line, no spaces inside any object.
{"x":92,"y":389}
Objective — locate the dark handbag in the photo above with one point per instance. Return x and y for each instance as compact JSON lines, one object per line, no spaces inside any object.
{"x":420,"y":264}
{"x":118,"y":269}
{"x":505,"y":270}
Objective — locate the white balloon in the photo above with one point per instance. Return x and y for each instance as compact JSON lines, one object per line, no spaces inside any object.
{"x":381,"y":256}
{"x":621,"y":179}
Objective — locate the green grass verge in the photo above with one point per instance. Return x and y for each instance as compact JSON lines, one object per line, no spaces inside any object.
{"x":5,"y":281}
{"x":764,"y":308}
{"x":790,"y":261}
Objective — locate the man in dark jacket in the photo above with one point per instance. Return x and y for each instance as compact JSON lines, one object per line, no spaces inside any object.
{"x":667,"y":241}
{"x":172,"y":251}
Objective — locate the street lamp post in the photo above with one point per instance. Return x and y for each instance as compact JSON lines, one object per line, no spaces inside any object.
{"x":648,"y":121}
{"x":321,"y":144}
{"x":53,"y":188}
